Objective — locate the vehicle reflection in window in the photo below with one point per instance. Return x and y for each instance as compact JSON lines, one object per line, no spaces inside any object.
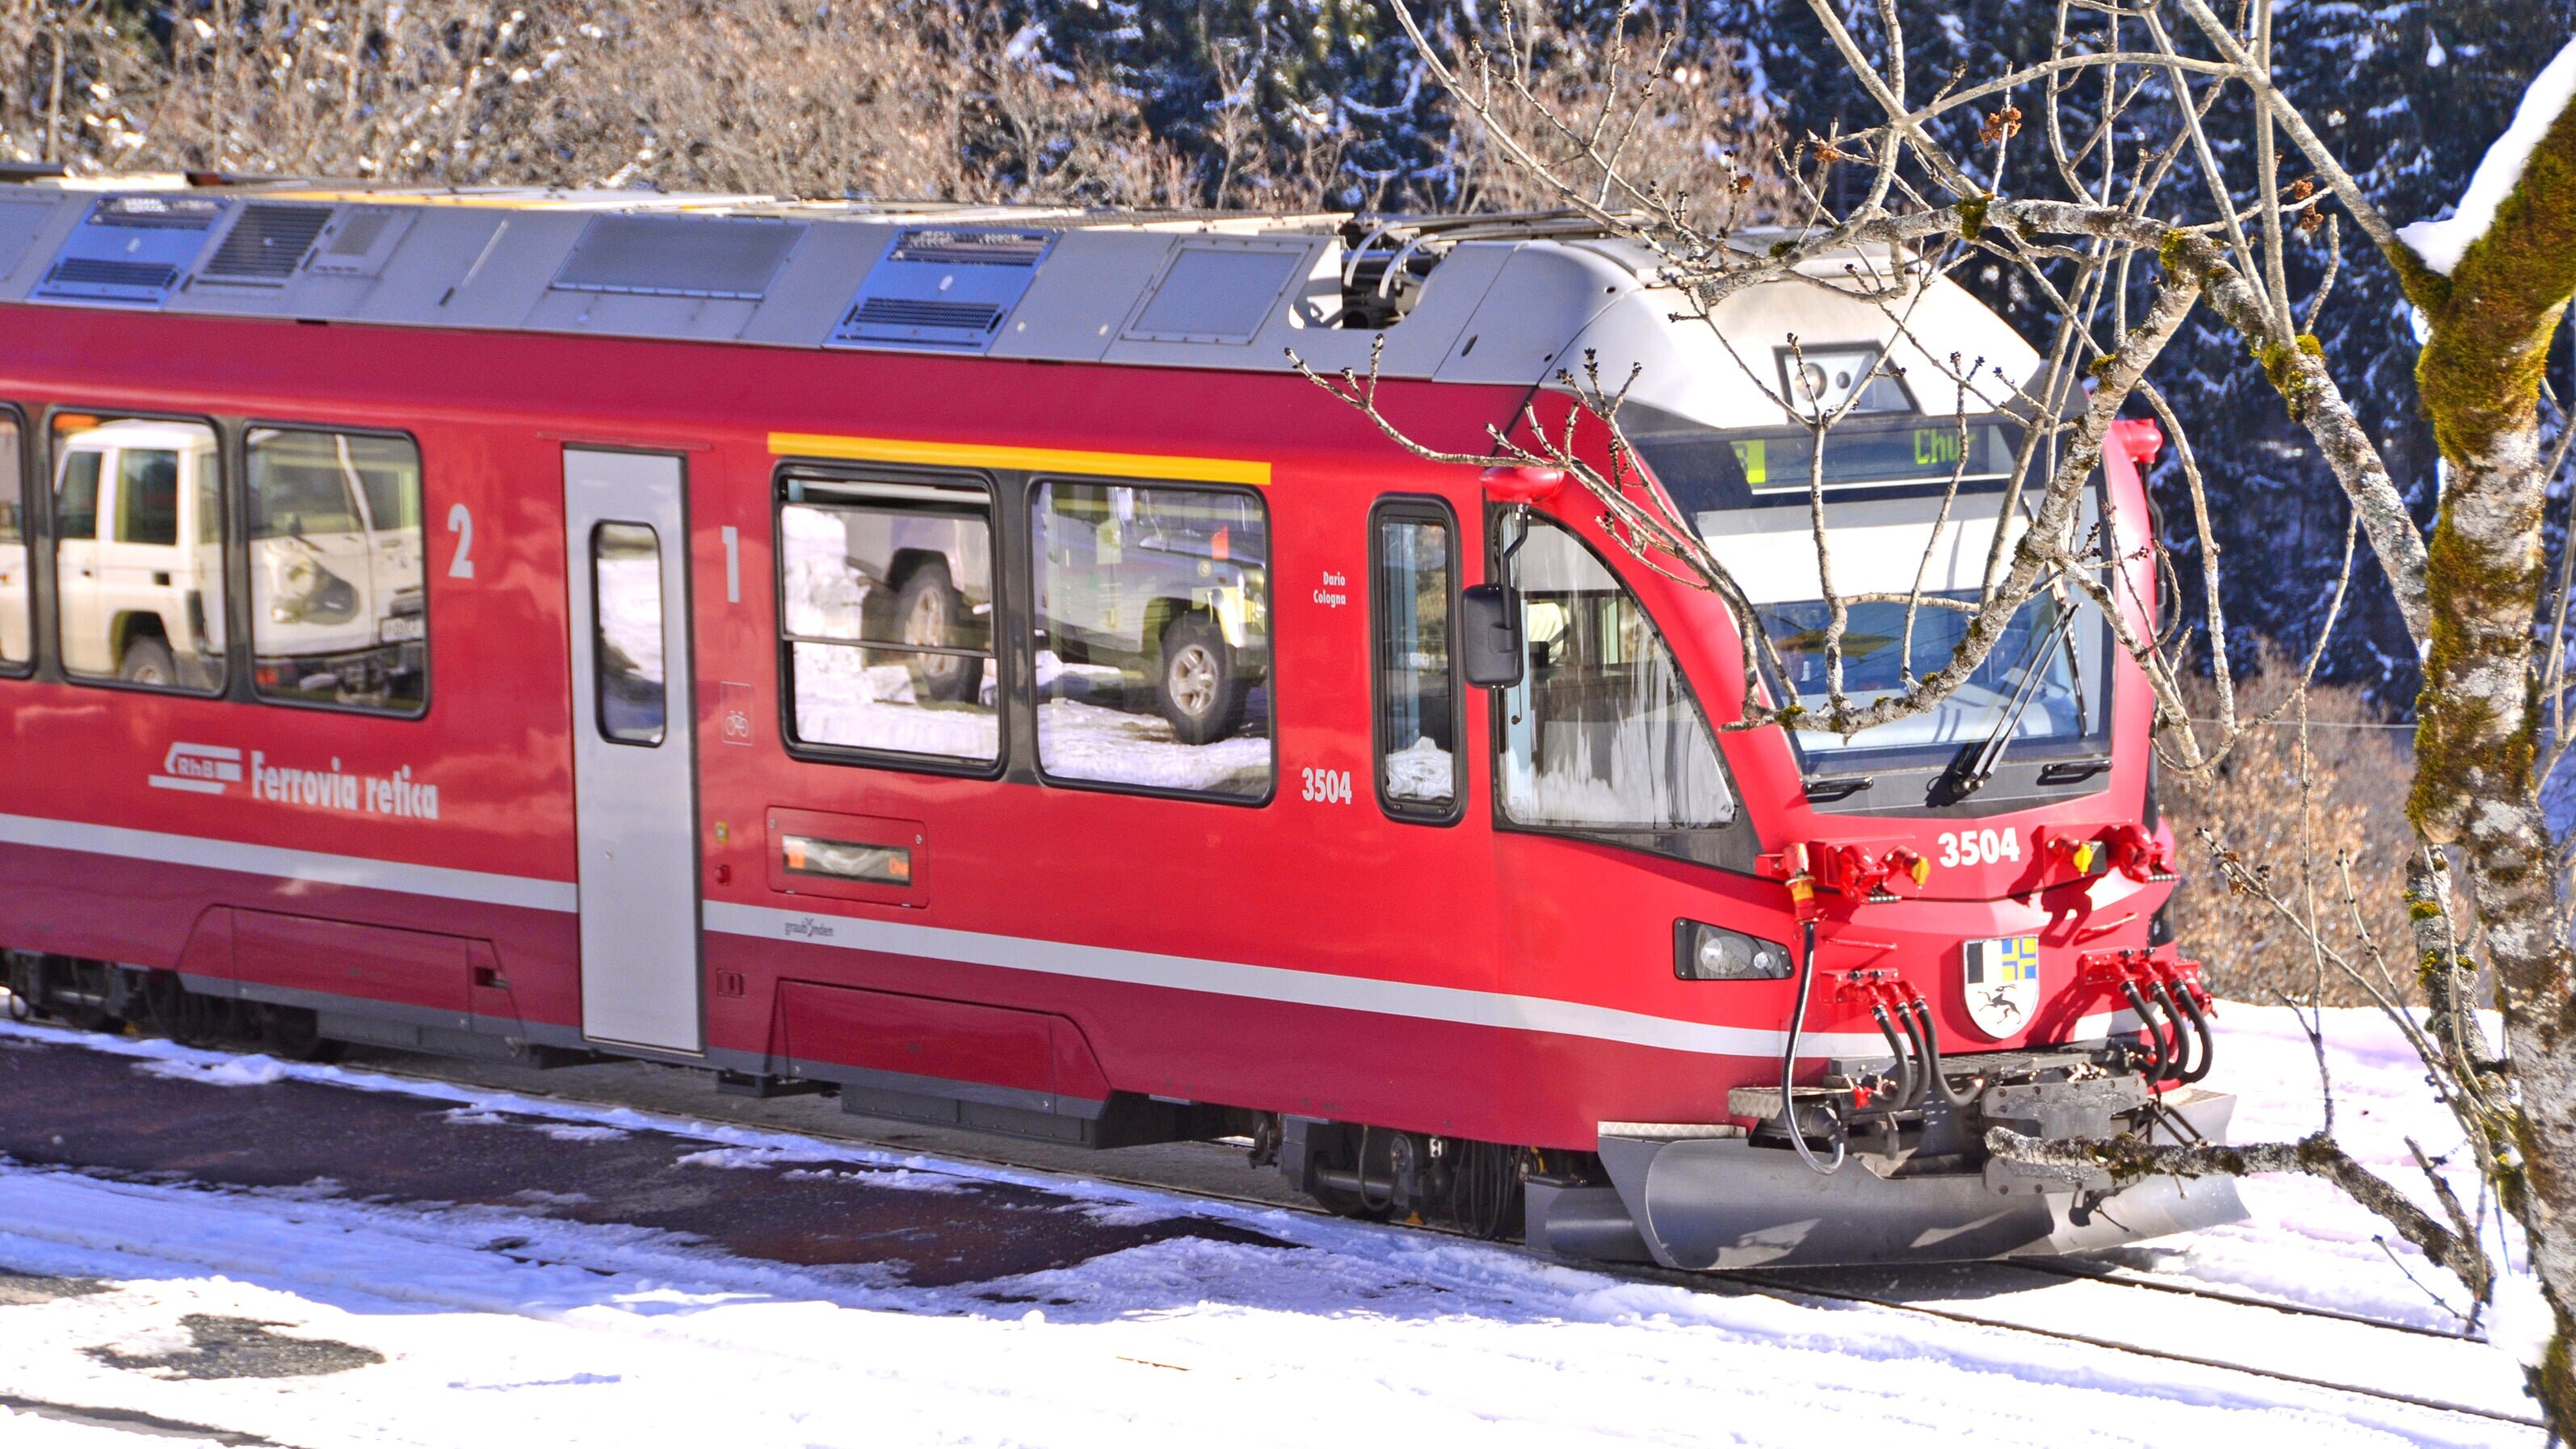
{"x":16,"y":639}
{"x":138,"y":551}
{"x":1153,"y":611}
{"x":626,"y":652}
{"x":1601,"y":732}
{"x":335,"y":569}
{"x":888,"y":613}
{"x":1416,"y":699}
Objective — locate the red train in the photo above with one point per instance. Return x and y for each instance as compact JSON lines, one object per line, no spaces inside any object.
{"x":950,"y":659}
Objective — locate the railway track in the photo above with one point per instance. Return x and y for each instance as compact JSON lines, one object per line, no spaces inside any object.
{"x":2068,"y":1301}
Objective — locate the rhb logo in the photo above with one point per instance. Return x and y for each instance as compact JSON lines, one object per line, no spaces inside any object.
{"x":203,"y":769}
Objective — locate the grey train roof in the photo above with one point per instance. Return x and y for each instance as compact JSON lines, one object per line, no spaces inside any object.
{"x":1497,"y":300}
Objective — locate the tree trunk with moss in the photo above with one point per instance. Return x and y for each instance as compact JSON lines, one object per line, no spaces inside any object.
{"x":2476,"y":787}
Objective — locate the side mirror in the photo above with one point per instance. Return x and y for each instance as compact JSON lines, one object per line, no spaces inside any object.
{"x":1489,"y":635}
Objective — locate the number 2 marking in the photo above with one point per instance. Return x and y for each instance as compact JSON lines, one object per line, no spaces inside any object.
{"x":1980,"y":847}
{"x":1328,"y":787}
{"x":460,"y":521}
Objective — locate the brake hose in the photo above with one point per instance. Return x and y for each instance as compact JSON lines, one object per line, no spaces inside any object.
{"x":1919,"y":1085}
{"x":2189,"y":1010}
{"x":2172,"y":1030}
{"x":1789,"y":1059}
{"x":2157,"y":1065}
{"x":1932,"y":1060}
{"x":2180,"y":1066}
{"x":1903,"y":1096}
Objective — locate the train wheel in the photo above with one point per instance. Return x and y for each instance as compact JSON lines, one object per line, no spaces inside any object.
{"x":147,"y":661}
{"x":1202,"y":691}
{"x":930,"y":611}
{"x":295,"y":1033}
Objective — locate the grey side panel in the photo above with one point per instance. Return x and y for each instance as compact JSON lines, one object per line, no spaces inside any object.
{"x":473,"y":268}
{"x":441,"y":247}
{"x":1083,"y":294}
{"x":625,"y":314}
{"x":23,"y":222}
{"x":699,"y":278}
{"x":524,"y":257}
{"x":814,"y":288}
{"x":1415,"y":347}
{"x":1538,"y":304}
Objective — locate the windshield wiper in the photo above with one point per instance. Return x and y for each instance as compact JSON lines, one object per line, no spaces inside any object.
{"x":1976,"y":765}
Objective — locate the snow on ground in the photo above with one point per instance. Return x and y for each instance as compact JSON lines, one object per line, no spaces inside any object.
{"x":2305,"y":1241}
{"x":486,"y":1327}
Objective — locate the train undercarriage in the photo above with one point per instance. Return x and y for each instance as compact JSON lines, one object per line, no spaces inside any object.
{"x":1894,"y":1168}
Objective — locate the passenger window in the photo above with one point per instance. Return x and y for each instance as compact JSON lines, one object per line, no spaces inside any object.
{"x":1601,"y":732}
{"x":16,"y":637}
{"x":627,"y":640}
{"x":141,"y":599}
{"x":886,"y":609}
{"x":338,"y":615}
{"x":1417,"y":687}
{"x":1153,"y":621}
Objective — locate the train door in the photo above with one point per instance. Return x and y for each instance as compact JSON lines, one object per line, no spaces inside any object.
{"x":634,"y":803}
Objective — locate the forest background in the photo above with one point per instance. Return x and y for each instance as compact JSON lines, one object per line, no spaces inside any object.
{"x":1322,"y":105}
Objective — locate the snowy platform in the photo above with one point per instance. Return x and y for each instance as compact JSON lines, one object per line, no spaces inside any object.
{"x":234,"y":1250}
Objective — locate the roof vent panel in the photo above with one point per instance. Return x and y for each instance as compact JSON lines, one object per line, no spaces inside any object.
{"x":725,"y":258}
{"x":1217,"y":292}
{"x":130,"y":249}
{"x":360,"y":242}
{"x":267,"y":243}
{"x":947,"y":288}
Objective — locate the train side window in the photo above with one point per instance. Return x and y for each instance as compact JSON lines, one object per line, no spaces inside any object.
{"x":337,"y":612}
{"x":627,"y":642}
{"x":886,"y":614}
{"x":1153,"y":621}
{"x":1412,"y":580}
{"x":1602,"y":732}
{"x":138,"y":551}
{"x":17,"y":642}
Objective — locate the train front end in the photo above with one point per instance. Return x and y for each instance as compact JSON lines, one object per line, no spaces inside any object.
{"x":1955,"y":944}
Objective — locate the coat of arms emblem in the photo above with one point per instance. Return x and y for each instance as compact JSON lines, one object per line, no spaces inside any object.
{"x":2002,"y":981}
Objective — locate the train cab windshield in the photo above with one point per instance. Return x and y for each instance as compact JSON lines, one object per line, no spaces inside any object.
{"x":2042,"y":689}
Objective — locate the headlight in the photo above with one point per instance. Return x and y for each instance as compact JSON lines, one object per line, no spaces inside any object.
{"x":1713,"y":953}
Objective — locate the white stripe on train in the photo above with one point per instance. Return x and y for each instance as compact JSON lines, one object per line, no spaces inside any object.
{"x":1457,"y":1005}
{"x":1450,"y":1004}
{"x":278,"y":861}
